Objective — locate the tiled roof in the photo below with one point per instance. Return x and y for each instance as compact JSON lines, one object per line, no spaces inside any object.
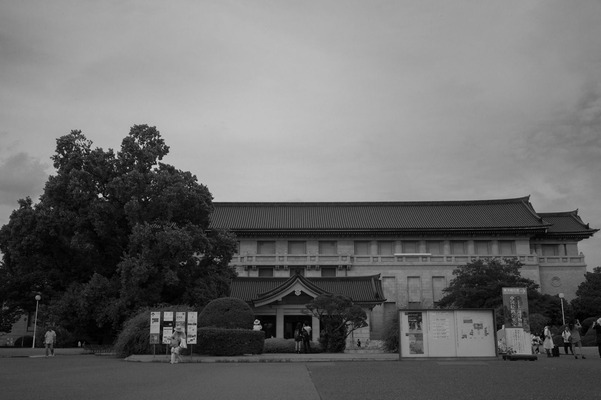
{"x":362,"y":289}
{"x":506,"y":214}
{"x":563,"y":223}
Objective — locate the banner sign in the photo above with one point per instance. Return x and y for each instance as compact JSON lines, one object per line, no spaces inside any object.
{"x":155,"y":327}
{"x":515,"y":308}
{"x":517,"y":326}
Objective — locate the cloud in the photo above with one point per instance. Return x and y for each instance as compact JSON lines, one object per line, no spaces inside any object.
{"x":21,"y":176}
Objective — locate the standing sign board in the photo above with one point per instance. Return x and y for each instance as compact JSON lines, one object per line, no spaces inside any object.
{"x":191,"y":332}
{"x":155,"y":327}
{"x":517,"y":326}
{"x":163,"y":323}
{"x":447,"y":333}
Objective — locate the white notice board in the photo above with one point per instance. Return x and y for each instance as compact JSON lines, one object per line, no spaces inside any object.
{"x":447,"y":333}
{"x":441,"y":333}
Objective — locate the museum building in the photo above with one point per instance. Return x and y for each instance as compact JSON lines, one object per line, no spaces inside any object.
{"x":388,"y":256}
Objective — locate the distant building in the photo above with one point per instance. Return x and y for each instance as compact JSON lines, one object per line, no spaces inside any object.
{"x":388,"y":255}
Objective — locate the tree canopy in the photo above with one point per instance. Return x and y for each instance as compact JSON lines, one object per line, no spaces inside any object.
{"x":113,"y":232}
{"x":338,"y":316}
{"x":588,"y":301}
{"x":479,"y":284}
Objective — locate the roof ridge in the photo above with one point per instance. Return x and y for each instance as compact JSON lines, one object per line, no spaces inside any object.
{"x":364,"y":203}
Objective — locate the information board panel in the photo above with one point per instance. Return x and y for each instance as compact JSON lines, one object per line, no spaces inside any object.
{"x":441,"y":333}
{"x":447,"y":333}
{"x":476,"y":333}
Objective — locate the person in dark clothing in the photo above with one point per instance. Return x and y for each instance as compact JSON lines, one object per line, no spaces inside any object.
{"x":597,"y":327}
{"x":298,"y":337}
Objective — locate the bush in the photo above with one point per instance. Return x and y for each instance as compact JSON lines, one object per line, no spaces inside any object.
{"x":230,"y":342}
{"x":227,"y":313}
{"x":279,"y":345}
{"x":391,"y":334}
{"x":134,"y":338}
{"x":333,"y":340}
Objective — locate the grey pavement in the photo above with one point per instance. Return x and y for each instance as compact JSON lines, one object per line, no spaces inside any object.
{"x":589,"y":352}
{"x":26,"y":374}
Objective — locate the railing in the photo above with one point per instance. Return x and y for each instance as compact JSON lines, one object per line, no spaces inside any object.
{"x":419,"y":258}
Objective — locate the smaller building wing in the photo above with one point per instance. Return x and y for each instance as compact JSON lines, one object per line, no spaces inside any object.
{"x":363,"y":290}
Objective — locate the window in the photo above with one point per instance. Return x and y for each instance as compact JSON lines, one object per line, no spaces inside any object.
{"x":362,"y":247}
{"x":297,"y":247}
{"x":434,"y":247}
{"x":266,"y":247}
{"x":329,"y":247}
{"x":506,"y":246}
{"x":458,"y":247}
{"x":438,"y":285}
{"x":265,"y":271}
{"x":482,"y":247}
{"x":385,"y":248}
{"x":328,"y":271}
{"x":410,"y":247}
{"x":297,"y":270}
{"x":550,"y":250}
{"x":414,"y":289}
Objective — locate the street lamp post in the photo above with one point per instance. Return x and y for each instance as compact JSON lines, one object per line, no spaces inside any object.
{"x":35,"y":321}
{"x":563,"y":317}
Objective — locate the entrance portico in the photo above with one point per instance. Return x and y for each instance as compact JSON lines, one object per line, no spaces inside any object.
{"x":286,"y":298}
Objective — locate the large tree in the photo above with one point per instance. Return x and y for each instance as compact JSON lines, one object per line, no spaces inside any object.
{"x":113,"y":232}
{"x":588,"y":296}
{"x":478,"y":284}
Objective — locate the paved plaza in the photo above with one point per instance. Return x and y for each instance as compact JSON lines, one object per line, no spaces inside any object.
{"x":29,"y":375}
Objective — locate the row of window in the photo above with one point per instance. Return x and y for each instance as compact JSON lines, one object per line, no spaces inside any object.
{"x":325,"y":271}
{"x":481,"y":247}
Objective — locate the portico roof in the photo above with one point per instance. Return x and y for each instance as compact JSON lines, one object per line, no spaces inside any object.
{"x":363,"y":290}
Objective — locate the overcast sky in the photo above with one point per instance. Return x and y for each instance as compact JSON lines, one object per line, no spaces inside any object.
{"x":317,"y":100}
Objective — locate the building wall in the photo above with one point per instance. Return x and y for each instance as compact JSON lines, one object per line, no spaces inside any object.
{"x":410,"y":280}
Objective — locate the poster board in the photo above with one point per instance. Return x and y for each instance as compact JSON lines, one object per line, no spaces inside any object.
{"x":162,"y":325}
{"x":447,"y":333}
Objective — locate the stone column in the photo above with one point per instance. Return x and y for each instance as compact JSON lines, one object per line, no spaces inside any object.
{"x":279,"y":322}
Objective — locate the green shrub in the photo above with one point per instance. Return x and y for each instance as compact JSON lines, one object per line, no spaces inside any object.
{"x":227,"y":313}
{"x":134,"y":338}
{"x":279,"y":345}
{"x":391,"y":334}
{"x":229,"y":342}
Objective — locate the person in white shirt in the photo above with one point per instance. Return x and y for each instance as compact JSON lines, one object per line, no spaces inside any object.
{"x":49,"y":340}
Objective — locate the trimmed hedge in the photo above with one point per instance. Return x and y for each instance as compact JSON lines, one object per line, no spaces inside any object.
{"x":227,"y":313}
{"x":134,"y":338}
{"x":229,"y":342}
{"x":280,"y":345}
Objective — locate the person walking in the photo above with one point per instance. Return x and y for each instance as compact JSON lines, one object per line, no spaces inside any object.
{"x":567,"y":340}
{"x":548,"y":341}
{"x":307,"y":337}
{"x":298,"y":337}
{"x":178,"y":342}
{"x":536,"y":342}
{"x":597,"y":327}
{"x":49,"y":340}
{"x":575,"y":328}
